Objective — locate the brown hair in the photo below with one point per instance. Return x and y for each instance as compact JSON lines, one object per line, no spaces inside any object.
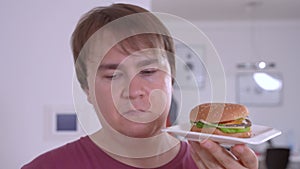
{"x":101,"y":16}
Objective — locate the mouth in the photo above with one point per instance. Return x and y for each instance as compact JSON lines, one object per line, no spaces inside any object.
{"x":140,"y":116}
{"x":135,"y":112}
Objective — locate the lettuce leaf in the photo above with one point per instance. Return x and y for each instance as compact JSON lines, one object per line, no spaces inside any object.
{"x":234,"y":130}
{"x":199,"y":124}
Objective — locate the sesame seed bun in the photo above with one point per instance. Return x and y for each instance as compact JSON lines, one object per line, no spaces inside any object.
{"x":218,"y":112}
{"x":215,"y":113}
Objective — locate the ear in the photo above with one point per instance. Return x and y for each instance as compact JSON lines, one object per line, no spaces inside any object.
{"x":173,"y":80}
{"x":88,"y":95}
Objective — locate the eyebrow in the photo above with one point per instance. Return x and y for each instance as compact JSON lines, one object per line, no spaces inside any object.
{"x":147,"y":62}
{"x":108,"y":66}
{"x":114,"y":66}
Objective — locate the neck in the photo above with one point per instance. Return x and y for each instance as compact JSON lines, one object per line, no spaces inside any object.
{"x":121,"y":145}
{"x":138,"y":152}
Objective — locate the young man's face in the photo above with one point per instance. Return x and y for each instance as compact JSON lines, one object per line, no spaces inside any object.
{"x":133,"y":92}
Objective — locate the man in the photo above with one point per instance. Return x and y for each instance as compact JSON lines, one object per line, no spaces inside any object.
{"x":125,"y":63}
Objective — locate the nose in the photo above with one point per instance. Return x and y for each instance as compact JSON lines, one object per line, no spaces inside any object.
{"x":134,"y":88}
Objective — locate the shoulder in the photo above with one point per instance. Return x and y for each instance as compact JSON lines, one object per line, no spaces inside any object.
{"x":64,"y":155}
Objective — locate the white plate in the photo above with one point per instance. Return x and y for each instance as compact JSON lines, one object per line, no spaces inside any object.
{"x":260,"y":134}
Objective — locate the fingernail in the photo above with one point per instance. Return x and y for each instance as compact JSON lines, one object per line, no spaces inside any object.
{"x":206,"y":144}
{"x":191,"y":142}
{"x":239,"y":149}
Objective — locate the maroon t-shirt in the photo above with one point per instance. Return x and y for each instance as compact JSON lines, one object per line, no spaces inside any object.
{"x":85,"y":154}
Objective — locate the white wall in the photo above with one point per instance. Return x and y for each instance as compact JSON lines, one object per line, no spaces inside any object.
{"x":276,"y":41}
{"x":36,"y":70}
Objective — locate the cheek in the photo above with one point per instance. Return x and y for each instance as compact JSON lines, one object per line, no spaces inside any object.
{"x":160,"y":97}
{"x":166,"y":85}
{"x":104,"y":102}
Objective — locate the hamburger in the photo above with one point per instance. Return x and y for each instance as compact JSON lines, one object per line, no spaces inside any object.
{"x":227,"y":119}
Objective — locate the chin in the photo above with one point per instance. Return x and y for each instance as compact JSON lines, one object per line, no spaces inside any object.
{"x":141,"y":130}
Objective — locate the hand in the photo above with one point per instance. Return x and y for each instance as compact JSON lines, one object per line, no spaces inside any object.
{"x":208,"y":154}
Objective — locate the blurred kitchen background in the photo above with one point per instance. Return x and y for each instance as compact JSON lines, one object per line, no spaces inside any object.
{"x":258,"y":42}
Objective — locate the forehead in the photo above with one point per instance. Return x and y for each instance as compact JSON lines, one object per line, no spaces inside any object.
{"x":143,"y":57}
{"x":110,"y":48}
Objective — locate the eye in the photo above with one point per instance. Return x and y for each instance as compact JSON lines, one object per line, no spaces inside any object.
{"x":149,"y":71}
{"x":113,"y":76}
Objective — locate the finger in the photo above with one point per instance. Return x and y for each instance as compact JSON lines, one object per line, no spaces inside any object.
{"x":221,"y":155}
{"x":207,"y":159}
{"x":246,"y":156}
{"x":199,"y":163}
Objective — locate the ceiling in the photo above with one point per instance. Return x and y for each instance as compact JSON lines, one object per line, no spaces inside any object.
{"x":230,"y":9}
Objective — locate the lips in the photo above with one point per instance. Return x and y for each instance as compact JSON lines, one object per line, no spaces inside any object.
{"x":140,"y":116}
{"x":135,"y":112}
